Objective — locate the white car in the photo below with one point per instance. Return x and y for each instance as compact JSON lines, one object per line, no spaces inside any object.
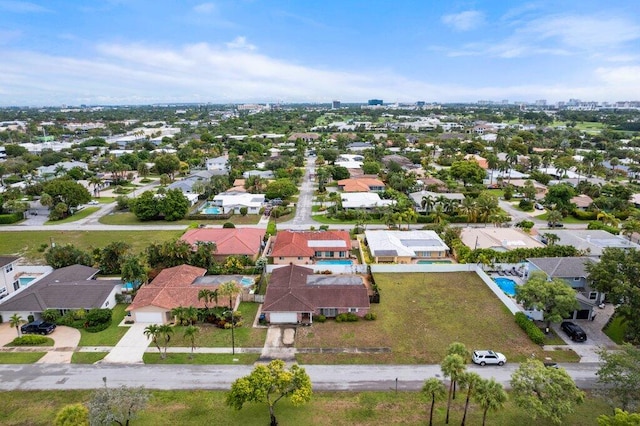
{"x":488,"y":357}
{"x":93,"y":203}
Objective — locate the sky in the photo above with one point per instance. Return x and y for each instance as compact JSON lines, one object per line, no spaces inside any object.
{"x":114,"y":52}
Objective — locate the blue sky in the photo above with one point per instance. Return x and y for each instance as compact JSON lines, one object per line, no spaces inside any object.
{"x":140,"y":52}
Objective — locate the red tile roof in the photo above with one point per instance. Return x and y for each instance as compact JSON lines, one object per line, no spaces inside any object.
{"x":229,"y":241}
{"x":296,"y":243}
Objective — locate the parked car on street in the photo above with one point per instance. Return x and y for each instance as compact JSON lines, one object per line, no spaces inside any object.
{"x":38,"y":327}
{"x":555,"y":225}
{"x":93,"y":203}
{"x":485,"y":357}
{"x":574,"y":331}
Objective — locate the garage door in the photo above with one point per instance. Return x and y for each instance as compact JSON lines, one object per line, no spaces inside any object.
{"x":150,"y":317}
{"x":283,"y":318}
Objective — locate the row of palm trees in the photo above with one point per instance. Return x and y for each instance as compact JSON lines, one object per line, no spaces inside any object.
{"x":477,"y":210}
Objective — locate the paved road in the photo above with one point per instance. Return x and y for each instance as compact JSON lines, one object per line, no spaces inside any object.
{"x":305,"y":200}
{"x":323,"y":377}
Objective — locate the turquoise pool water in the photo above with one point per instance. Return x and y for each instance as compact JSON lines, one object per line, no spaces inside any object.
{"x":246,"y":281}
{"x":335,"y":262}
{"x":507,"y":285}
{"x":25,"y":280}
{"x":209,"y":209}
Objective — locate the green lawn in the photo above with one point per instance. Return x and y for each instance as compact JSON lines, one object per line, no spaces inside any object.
{"x":184,"y":358}
{"x":48,"y":342}
{"x":419,"y":316}
{"x":27,"y":243}
{"x":568,"y":219}
{"x":79,"y":215}
{"x":87,"y":357}
{"x":211,"y":336}
{"x":616,"y":330}
{"x":128,"y":218}
{"x":321,"y":218}
{"x":199,"y":407}
{"x":20,"y":358}
{"x":108,"y":337}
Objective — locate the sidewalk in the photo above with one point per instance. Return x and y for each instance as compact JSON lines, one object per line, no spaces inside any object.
{"x":130,"y":348}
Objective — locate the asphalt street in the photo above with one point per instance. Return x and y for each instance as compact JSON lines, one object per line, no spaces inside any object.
{"x":220,"y":377}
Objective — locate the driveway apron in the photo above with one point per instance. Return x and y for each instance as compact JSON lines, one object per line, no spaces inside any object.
{"x":130,"y":348}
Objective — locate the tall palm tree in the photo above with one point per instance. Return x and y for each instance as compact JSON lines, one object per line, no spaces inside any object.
{"x":490,"y":396}
{"x":208,"y":296}
{"x":152,"y":331}
{"x":165,"y":331}
{"x":190,"y":334}
{"x":453,"y":366}
{"x":438,"y":214}
{"x":469,"y":209}
{"x":15,"y":321}
{"x":96,"y":182}
{"x":191,"y":315}
{"x":469,"y":380}
{"x":492,"y":162}
{"x":458,"y":348}
{"x":230,"y":289}
{"x":427,"y":203}
{"x":433,"y":389}
{"x":179,"y":314}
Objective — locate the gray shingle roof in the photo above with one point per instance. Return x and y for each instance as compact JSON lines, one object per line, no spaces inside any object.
{"x":5,"y":260}
{"x":562,"y":267}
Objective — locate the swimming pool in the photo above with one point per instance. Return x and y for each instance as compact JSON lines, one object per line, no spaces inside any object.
{"x":507,"y":285}
{"x":25,"y":280}
{"x":209,"y":209}
{"x":335,"y":262}
{"x":247,"y":281}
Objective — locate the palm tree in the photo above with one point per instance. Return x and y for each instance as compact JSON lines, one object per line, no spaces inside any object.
{"x":452,"y":366}
{"x":438,"y":214}
{"x":179,"y":314}
{"x":490,"y":396}
{"x":230,"y":289}
{"x":190,"y":334}
{"x":551,"y":238}
{"x":492,"y":162}
{"x":15,"y":321}
{"x":608,"y":219}
{"x":191,"y":314}
{"x":457,"y":348}
{"x":96,"y":182}
{"x":469,"y":209}
{"x":165,"y":331}
{"x":512,"y":159}
{"x":208,"y":296}
{"x":435,"y":390}
{"x":630,"y":227}
{"x":469,"y":380}
{"x":152,"y":331}
{"x":427,"y":203}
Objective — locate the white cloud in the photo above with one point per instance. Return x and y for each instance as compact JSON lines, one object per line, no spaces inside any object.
{"x":620,"y":76}
{"x":205,"y":8}
{"x":464,"y":21}
{"x":22,"y":7}
{"x":240,"y":43}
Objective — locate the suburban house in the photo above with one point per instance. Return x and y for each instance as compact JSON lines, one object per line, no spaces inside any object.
{"x":519,"y":184}
{"x":263,"y":174}
{"x":482,"y":162}
{"x":295,"y":294}
{"x":229,"y":241}
{"x":172,"y":288}
{"x":363,"y":200}
{"x":498,"y":239}
{"x":69,"y":288}
{"x":361,"y":184}
{"x":232,"y":202}
{"x":8,"y":280}
{"x":308,"y":247}
{"x":582,"y":201}
{"x":359,"y":146}
{"x":592,"y":241}
{"x":405,"y":246}
{"x":573,"y":271}
{"x":418,"y":196}
{"x":219,"y":163}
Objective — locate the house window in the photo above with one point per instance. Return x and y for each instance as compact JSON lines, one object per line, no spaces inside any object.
{"x":328,"y":254}
{"x":16,"y":284}
{"x":299,"y":257}
{"x":8,"y":268}
{"x":593,"y":295}
{"x":281,"y":258}
{"x":353,"y":310}
{"x":318,"y":254}
{"x":343,"y":254}
{"x":576,"y":278}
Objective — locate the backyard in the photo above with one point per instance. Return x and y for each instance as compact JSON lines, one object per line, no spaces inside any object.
{"x":419,"y":316}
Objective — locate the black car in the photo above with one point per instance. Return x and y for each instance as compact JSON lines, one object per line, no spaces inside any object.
{"x":555,"y":225}
{"x":574,"y":331}
{"x":38,"y":327}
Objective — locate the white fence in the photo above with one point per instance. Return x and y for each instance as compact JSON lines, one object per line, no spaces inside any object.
{"x":335,"y":269}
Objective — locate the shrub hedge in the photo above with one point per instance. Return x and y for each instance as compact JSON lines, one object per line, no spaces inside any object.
{"x":6,"y":219}
{"x":347,"y":317}
{"x":535,"y":334}
{"x":30,"y":340}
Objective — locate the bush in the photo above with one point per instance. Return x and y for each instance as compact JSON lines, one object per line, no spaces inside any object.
{"x":97,"y":328}
{"x":6,"y":219}
{"x":30,"y":340}
{"x":370,"y":316}
{"x":319,"y":318}
{"x":526,"y":205}
{"x":535,"y":334}
{"x":599,"y":225}
{"x":97,"y":317}
{"x":582,"y":215}
{"x":347,"y":317}
{"x":228,"y":225}
{"x":31,"y":318}
{"x":525,"y":224}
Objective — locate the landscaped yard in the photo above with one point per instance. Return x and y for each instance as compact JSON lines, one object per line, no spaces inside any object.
{"x":211,"y":336}
{"x":20,"y":358}
{"x":616,"y":330}
{"x":28,"y":243}
{"x":184,"y":358}
{"x":48,"y":341}
{"x":419,"y":316}
{"x":198,"y":407}
{"x":111,"y":335}
{"x":79,"y":215}
{"x":87,"y":357}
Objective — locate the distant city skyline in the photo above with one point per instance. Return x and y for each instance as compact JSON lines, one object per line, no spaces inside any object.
{"x":114,"y":52}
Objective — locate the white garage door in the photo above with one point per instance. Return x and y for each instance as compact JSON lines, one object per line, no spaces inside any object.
{"x":283,"y":318}
{"x":150,"y":317}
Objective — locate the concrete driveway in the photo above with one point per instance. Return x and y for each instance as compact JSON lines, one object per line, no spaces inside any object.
{"x":7,"y":333}
{"x":130,"y":348}
{"x":66,"y":341}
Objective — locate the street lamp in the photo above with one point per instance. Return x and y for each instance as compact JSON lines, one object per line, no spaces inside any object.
{"x":233,"y":339}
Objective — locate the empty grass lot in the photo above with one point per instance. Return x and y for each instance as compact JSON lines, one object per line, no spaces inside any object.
{"x":111,"y":335}
{"x":27,"y":243}
{"x":200,"y":407}
{"x":127,"y":218}
{"x":419,"y":316}
{"x":211,"y":336}
{"x":184,"y":358}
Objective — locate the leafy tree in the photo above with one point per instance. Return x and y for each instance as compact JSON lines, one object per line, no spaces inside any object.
{"x":555,"y":297}
{"x":490,"y":396}
{"x":117,"y":405}
{"x":167,"y":164}
{"x":281,"y":188}
{"x":549,"y":393}
{"x":60,"y":256}
{"x":619,"y":418}
{"x":145,"y":207}
{"x":371,"y":167}
{"x":559,"y":198}
{"x":111,"y":257}
{"x":68,"y":192}
{"x":434,"y":390}
{"x":268,"y":384}
{"x":72,"y":415}
{"x":190,"y":333}
{"x":619,"y":373}
{"x":174,"y":205}
{"x":133,"y":271}
{"x":453,"y":366}
{"x":14,"y":321}
{"x":339,"y":173}
{"x":467,"y":171}
{"x":617,"y":275}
